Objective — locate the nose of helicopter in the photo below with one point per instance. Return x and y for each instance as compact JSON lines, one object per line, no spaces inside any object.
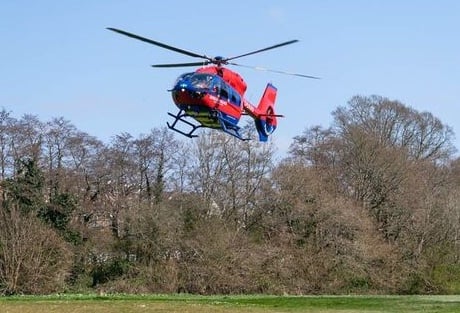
{"x":186,"y":95}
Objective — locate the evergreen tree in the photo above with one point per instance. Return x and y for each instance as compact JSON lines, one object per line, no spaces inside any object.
{"x":25,"y":189}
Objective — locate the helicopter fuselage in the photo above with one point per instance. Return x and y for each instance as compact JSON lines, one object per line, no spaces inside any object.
{"x":213,"y":96}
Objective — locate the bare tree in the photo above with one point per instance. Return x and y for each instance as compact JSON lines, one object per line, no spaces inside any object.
{"x":57,"y":137}
{"x":165,"y":149}
{"x":6,"y":157}
{"x":84,"y":153}
{"x":394,"y":124}
{"x":27,"y":138}
{"x":207,"y":167}
{"x":33,"y":259}
{"x":229,"y":174}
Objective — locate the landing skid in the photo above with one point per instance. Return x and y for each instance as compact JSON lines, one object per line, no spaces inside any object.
{"x":180,"y":117}
{"x":232,"y":130}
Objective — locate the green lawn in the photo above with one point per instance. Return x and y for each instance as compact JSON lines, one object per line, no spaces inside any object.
{"x":204,"y":304}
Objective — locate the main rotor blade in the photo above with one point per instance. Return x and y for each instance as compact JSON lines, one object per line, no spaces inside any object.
{"x":264,"y":49}
{"x":162,"y":45}
{"x":259,"y":68}
{"x":181,"y":64}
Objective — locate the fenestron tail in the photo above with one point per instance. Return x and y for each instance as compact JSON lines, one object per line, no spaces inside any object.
{"x":266,"y":118}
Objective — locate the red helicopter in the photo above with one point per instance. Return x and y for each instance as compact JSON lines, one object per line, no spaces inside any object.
{"x":213,"y":96}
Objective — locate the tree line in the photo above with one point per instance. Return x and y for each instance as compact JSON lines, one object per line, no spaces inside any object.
{"x":369,"y":204}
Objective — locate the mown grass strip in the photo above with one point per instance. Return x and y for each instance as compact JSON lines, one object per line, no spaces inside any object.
{"x":253,"y":303}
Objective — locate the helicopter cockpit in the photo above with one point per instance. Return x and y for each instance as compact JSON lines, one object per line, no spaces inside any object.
{"x":210,"y":83}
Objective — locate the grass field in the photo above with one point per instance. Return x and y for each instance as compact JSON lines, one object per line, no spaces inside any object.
{"x":231,"y":304}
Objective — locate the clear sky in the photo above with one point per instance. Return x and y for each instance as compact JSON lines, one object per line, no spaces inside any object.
{"x":57,"y":59}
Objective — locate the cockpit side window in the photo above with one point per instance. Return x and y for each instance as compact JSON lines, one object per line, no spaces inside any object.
{"x":223,"y":92}
{"x":235,"y":98}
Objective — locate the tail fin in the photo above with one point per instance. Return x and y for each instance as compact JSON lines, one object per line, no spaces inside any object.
{"x":266,"y":118}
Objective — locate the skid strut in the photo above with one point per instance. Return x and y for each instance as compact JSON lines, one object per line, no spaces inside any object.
{"x":180,"y":117}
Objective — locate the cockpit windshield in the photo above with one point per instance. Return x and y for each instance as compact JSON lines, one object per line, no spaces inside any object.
{"x":183,"y":78}
{"x":199,"y":80}
{"x":195,"y":80}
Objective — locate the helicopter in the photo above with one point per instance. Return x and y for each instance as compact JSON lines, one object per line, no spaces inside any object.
{"x":212,"y":96}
